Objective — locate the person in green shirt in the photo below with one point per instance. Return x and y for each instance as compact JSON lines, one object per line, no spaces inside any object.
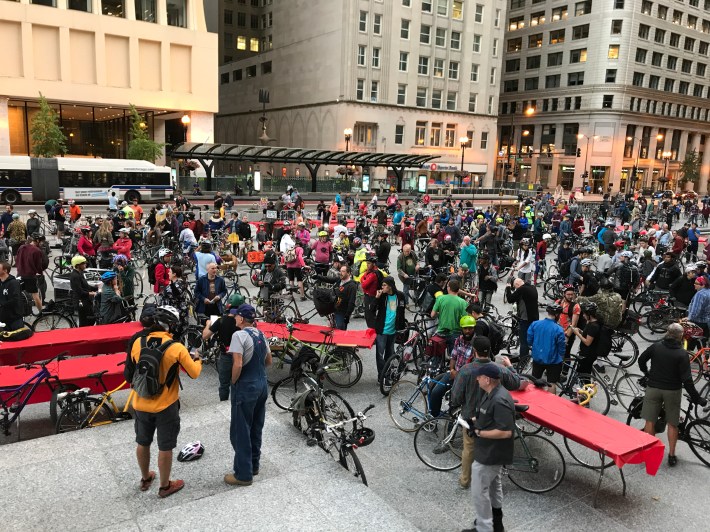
{"x":449,"y":309}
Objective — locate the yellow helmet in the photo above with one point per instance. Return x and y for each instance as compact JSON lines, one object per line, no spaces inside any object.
{"x":76,"y":260}
{"x":322,"y":233}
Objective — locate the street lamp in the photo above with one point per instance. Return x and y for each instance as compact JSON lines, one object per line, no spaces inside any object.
{"x":635,"y":169}
{"x":528,"y":112}
{"x":666,"y":157}
{"x":585,"y":175}
{"x":185,"y":123}
{"x":348,"y":135}
{"x":464,"y":142}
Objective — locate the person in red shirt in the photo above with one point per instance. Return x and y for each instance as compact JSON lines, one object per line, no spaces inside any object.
{"x":678,"y":244}
{"x":578,"y":225}
{"x":123,"y":245}
{"x":162,"y":270}
{"x":85,"y":246}
{"x":540,"y":254}
{"x":371,"y":282}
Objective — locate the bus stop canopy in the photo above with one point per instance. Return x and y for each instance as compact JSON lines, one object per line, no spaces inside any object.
{"x":312,"y":159}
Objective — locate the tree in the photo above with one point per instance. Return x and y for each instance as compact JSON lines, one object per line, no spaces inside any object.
{"x":141,"y":146}
{"x":47,"y":137}
{"x":690,"y":168}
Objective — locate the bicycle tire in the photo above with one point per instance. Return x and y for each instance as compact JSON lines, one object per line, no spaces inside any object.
{"x":696,"y":369}
{"x":621,"y":343}
{"x":347,"y":370}
{"x":600,"y":402}
{"x":191,"y":338}
{"x":392,"y":371}
{"x":528,"y":478}
{"x":645,"y":332}
{"x":430,"y":445}
{"x":407,"y":405}
{"x":75,"y":414}
{"x":585,"y":456}
{"x":137,"y":284}
{"x":350,"y":462}
{"x":527,"y":427}
{"x":285,"y":390}
{"x":55,"y":407}
{"x":50,"y":321}
{"x":659,"y":319}
{"x":280,"y":366}
{"x":697,"y":435}
{"x":627,"y":389}
{"x":335,"y":408}
{"x":699,"y":410}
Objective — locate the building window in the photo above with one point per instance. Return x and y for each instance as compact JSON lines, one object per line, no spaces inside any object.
{"x":638,"y":79}
{"x":653,"y":82}
{"x":580,"y":32}
{"x":582,"y":8}
{"x":671,"y":62}
{"x":559,"y":13}
{"x":440,"y":39}
{"x":227,"y":17}
{"x":450,"y":140}
{"x":657,"y":59}
{"x":242,"y":20}
{"x":177,"y":13}
{"x":453,"y":70}
{"x":531,"y":84}
{"x":377,"y":24}
{"x":491,"y":105}
{"x":112,"y":8}
{"x":692,"y":22}
{"x":641,"y":55}
{"x":535,"y":40}
{"x":438,"y":68}
{"x":374,"y":91}
{"x":403,"y":61}
{"x":558,"y":36}
{"x":85,"y":5}
{"x":363,"y":22}
{"x":455,"y":40}
{"x":375,"y":58}
{"x":494,"y":48}
{"x":420,"y":133}
{"x":618,"y":4}
{"x":254,"y":22}
{"x":266,"y":67}
{"x":472,"y":101}
{"x":512,"y":65}
{"x":478,"y":15}
{"x":689,"y":44}
{"x":492,"y":78}
{"x":554,"y":59}
{"x":251,"y":71}
{"x":578,"y":56}
{"x":674,"y":41}
{"x":399,"y":134}
{"x":613,"y":52}
{"x":476,"y":43}
{"x":686,"y":66}
{"x":532,"y":62}
{"x":457,"y":10}
{"x":516,"y":23}
{"x":484,"y":140}
{"x":517,"y":4}
{"x":668,"y":85}
{"x":644,"y":31}
{"x":451,"y":97}
{"x":241,"y":42}
{"x":698,"y":90}
{"x":552,"y":82}
{"x":361,"y":55}
{"x":496,"y":20}
{"x":575,"y":78}
{"x":436,"y":96}
{"x":646,"y":7}
{"x":237,"y":75}
{"x":677,"y":17}
{"x":514,"y":45}
{"x":423,"y":68}
{"x":421,"y":96}
{"x":662,"y":12}
{"x":407,"y":3}
{"x":442,"y":7}
{"x":610,"y":75}
{"x":700,"y":69}
{"x":401,"y":95}
{"x":426,"y":6}
{"x":577,"y":102}
{"x":253,"y":44}
{"x":616,"y":27}
{"x":474,"y":73}
{"x":360,"y":90}
{"x":703,"y":48}
{"x":683,"y":87}
{"x":510,"y":85}
{"x":435,"y":134}
{"x":607,"y":101}
{"x":659,"y":36}
{"x":224,"y":78}
{"x":425,"y":34}
{"x":404,"y":29}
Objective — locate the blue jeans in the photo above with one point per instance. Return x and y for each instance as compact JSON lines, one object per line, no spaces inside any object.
{"x":247,"y":424}
{"x":224,"y":372}
{"x":436,"y":395}
{"x":384,"y":348}
{"x":524,"y":347}
{"x":340,"y":322}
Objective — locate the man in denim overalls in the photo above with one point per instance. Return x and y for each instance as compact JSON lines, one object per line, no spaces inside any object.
{"x":252,"y":356}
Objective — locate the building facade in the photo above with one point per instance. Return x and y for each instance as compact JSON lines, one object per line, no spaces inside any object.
{"x":409,"y":76}
{"x":603,"y":94}
{"x":91,"y":59}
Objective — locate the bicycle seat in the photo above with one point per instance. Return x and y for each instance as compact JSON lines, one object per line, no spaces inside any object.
{"x":292,"y":289}
{"x":97,"y":375}
{"x":521,"y":408}
{"x":327,"y":332}
{"x":621,"y":357}
{"x":321,"y":371}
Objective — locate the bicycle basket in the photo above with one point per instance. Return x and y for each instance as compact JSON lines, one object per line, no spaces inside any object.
{"x":324,"y":301}
{"x":361,"y":437}
{"x":691,"y":331}
{"x":255,"y":257}
{"x":402,"y":336}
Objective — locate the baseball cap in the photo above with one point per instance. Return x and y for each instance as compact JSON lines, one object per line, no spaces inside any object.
{"x":489,"y":370}
{"x":389,"y":281}
{"x":245,"y":311}
{"x":482,"y":345}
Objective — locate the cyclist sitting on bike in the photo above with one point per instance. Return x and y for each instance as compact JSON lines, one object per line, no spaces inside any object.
{"x":323,"y":248}
{"x":665,"y":273}
{"x":682,"y":289}
{"x":125,"y":274}
{"x":272,"y":279}
{"x":111,"y":308}
{"x":187,"y":239}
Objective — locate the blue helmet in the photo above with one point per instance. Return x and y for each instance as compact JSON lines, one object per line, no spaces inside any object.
{"x":108,"y":276}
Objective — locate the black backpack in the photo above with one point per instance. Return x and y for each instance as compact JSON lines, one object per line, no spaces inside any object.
{"x":146,"y":376}
{"x":495,"y":334}
{"x":604,"y":344}
{"x":566,"y":267}
{"x":151,"y":271}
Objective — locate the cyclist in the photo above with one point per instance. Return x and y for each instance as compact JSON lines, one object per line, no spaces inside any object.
{"x":33,"y":222}
{"x":111,"y":308}
{"x":29,"y":262}
{"x":204,"y":257}
{"x":547,"y":341}
{"x":699,"y":308}
{"x":210,"y":292}
{"x":81,"y":291}
{"x":589,"y":338}
{"x":388,"y":307}
{"x":11,"y":299}
{"x":665,"y":273}
{"x":682,"y":289}
{"x":162,"y":270}
{"x":125,"y":274}
{"x":123,"y":245}
{"x":323,"y":249}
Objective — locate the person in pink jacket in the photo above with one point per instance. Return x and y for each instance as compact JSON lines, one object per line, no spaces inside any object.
{"x":123,"y":245}
{"x":323,"y":249}
{"x":294,"y":269}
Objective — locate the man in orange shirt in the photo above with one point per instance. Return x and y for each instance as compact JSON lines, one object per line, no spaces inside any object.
{"x":161,"y":411}
{"x":569,"y":318}
{"x":74,"y":211}
{"x":137,"y":211}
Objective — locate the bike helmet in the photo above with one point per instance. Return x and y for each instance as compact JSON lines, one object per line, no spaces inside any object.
{"x":627,"y":254}
{"x":322,"y":233}
{"x":605,"y":283}
{"x":525,"y":242}
{"x":554,"y":308}
{"x":362,"y":437}
{"x":586,"y":262}
{"x":191,"y":451}
{"x":166,"y":316}
{"x":270,"y":257}
{"x":206,"y":242}
{"x":467,"y":321}
{"x":499,"y":220}
{"x":108,"y":276}
{"x":186,"y":224}
{"x":15,"y":216}
{"x":619,"y":243}
{"x":691,"y":268}
{"x":120,"y":258}
{"x":479,"y":217}
{"x":546,"y":236}
{"x":701,"y":264}
{"x":85,"y":229}
{"x":163,"y":252}
{"x":447,"y":238}
{"x":589,"y":308}
{"x":36,"y":236}
{"x":585,"y":251}
{"x":76,"y":260}
{"x":301,"y":224}
{"x":357,"y":241}
{"x":235,"y":300}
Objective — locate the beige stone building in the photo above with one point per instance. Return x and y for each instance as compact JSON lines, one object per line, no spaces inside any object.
{"x":92,"y":58}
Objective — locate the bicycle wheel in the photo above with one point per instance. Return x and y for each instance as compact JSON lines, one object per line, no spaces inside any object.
{"x":696,"y":369}
{"x":659,"y":319}
{"x":586,"y":456}
{"x":50,"y":321}
{"x":527,"y":427}
{"x":284,"y":391}
{"x":700,"y":412}
{"x":601,"y":400}
{"x":628,"y":388}
{"x":552,"y":289}
{"x":645,"y":330}
{"x":407,"y":405}
{"x":351,"y":463}
{"x":439,"y":443}
{"x":538,"y":465}
{"x":280,"y":366}
{"x":55,"y":406}
{"x":336,"y":409}
{"x":77,"y":413}
{"x":697,"y":434}
{"x":192,"y":338}
{"x":137,"y":284}
{"x":392,"y":372}
{"x":623,"y":345}
{"x":344,"y":367}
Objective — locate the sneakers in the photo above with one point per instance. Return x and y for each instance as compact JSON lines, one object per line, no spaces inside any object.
{"x":672,"y":460}
{"x":230,"y":479}
{"x":173,"y":487}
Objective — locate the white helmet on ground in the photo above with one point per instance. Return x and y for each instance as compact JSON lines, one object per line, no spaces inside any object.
{"x":191,"y":451}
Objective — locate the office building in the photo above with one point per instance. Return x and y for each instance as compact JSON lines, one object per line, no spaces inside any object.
{"x":91,"y":59}
{"x":400,"y":76}
{"x":590,"y":90}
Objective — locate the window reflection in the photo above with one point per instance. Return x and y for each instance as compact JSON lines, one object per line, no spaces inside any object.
{"x":145,"y":10}
{"x":177,"y":13}
{"x":112,"y":8}
{"x":80,"y":5}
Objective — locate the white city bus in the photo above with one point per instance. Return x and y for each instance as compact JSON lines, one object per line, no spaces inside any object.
{"x":36,"y":179}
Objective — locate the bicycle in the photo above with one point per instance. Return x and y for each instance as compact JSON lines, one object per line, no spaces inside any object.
{"x":575,"y":381}
{"x":82,"y":410}
{"x":438,"y":442}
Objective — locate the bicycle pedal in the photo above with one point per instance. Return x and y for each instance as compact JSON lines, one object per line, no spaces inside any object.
{"x":311,"y":442}
{"x":14,"y":407}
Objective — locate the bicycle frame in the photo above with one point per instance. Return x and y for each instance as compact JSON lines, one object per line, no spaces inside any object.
{"x":107,"y":397}
{"x":15,"y":392}
{"x":406,"y":406}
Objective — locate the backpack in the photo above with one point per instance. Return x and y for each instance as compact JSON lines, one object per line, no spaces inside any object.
{"x":151,"y":271}
{"x":290,"y":255}
{"x":604,"y":342}
{"x":566,"y":268}
{"x":495,"y":334}
{"x":146,"y":380}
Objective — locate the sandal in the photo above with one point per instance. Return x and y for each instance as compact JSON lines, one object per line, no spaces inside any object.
{"x":147,"y":482}
{"x":173,"y":487}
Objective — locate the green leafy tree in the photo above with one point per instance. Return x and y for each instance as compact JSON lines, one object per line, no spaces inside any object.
{"x":690,"y":168}
{"x":141,"y":146}
{"x":47,"y":137}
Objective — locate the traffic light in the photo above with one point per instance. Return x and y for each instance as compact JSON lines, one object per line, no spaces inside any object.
{"x":634,"y":171}
{"x":579,"y":152}
{"x":549,"y":152}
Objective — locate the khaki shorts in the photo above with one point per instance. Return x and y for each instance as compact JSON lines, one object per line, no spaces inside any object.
{"x":668,"y":399}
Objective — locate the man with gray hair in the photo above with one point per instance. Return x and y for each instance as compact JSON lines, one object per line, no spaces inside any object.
{"x":668,"y":375}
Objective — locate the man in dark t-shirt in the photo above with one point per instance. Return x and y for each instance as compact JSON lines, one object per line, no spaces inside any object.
{"x":222,"y":329}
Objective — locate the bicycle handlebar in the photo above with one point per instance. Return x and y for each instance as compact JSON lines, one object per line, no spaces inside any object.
{"x":360,"y":416}
{"x":42,"y":363}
